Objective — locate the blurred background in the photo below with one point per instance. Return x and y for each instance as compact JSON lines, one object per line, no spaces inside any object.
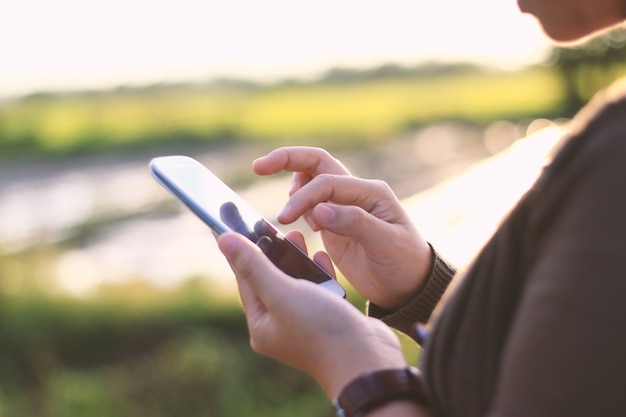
{"x":113,"y":300}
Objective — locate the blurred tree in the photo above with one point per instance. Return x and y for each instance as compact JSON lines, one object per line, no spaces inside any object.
{"x":397,"y":72}
{"x":589,"y":67}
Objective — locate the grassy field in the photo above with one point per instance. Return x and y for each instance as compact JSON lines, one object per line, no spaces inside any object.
{"x":315,"y":113}
{"x":182,"y":354}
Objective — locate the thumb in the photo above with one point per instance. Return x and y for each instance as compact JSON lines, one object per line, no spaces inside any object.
{"x":249,"y":263}
{"x":348,"y":221}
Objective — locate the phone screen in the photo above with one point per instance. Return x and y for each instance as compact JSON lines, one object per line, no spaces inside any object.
{"x":222,"y":210}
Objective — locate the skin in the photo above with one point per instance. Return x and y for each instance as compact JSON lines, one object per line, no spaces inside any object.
{"x":574,"y":20}
{"x":369,"y":237}
{"x":308,"y":327}
{"x":363,"y":226}
{"x":279,"y":328}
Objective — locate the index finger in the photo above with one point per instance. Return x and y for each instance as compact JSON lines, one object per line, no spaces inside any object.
{"x":313,"y":161}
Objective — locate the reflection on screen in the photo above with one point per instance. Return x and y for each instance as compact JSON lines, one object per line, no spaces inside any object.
{"x":231,"y":216}
{"x":284,"y":254}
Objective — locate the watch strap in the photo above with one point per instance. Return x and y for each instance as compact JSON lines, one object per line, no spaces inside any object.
{"x":374,"y":389}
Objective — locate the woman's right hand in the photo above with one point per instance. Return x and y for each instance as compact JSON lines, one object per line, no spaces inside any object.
{"x":364,"y":228}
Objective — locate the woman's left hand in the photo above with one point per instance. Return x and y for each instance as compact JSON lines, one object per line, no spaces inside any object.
{"x":304,"y":325}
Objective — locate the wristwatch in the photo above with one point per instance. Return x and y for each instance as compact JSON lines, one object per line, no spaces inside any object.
{"x":377,"y":388}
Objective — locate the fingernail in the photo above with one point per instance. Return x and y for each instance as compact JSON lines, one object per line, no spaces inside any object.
{"x":309,"y":220}
{"x":284,"y":211}
{"x":325,"y":214}
{"x":229,"y":245}
{"x":256,"y":161}
{"x":294,"y":186}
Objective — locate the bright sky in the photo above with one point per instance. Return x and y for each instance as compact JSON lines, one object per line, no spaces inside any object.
{"x":61,"y":44}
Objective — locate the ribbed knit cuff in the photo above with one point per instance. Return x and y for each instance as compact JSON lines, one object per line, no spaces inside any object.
{"x":420,"y":308}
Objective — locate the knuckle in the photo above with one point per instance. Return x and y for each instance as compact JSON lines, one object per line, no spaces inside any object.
{"x":323,"y":152}
{"x":323,"y":183}
{"x":359,"y":216}
{"x":262,"y":345}
{"x":324,"y":177}
{"x":256,"y":345}
{"x":381,"y":186}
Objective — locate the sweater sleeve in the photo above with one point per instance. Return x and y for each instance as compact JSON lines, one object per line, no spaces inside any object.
{"x":420,"y":308}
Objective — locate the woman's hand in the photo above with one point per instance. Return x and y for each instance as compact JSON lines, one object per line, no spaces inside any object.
{"x":364,"y":228}
{"x":305,"y":325}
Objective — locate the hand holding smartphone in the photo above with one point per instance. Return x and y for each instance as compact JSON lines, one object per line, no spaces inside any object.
{"x":223,"y":210}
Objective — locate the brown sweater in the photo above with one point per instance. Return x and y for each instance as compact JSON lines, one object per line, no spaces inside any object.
{"x":537,"y":327}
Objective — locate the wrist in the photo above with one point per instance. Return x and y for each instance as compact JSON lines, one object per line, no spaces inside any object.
{"x":334,"y":386}
{"x":424,"y":303}
{"x":370,"y":351}
{"x":412,"y":282}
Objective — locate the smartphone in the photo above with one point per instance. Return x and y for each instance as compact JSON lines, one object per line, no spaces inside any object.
{"x":222,"y":209}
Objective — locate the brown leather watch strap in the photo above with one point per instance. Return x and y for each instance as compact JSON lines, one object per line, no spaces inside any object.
{"x":374,"y":389}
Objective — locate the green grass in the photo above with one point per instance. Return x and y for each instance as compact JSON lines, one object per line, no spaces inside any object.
{"x":312,"y":113}
{"x":379,"y":108}
{"x":176,"y":354}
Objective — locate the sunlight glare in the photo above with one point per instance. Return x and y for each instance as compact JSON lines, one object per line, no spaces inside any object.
{"x":73,"y":44}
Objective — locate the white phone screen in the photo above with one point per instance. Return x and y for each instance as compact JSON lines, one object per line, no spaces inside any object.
{"x":222,"y":209}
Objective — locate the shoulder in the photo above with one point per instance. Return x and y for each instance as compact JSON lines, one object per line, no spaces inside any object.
{"x":596,"y":140}
{"x":605,"y":104}
{"x":575,"y":211}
